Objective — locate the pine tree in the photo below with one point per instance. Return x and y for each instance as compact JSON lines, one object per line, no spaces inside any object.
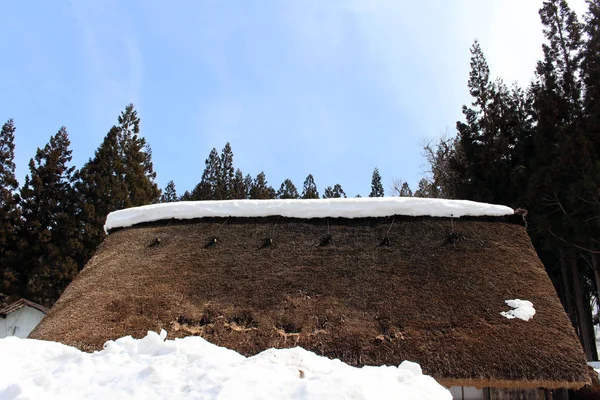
{"x":186,"y":196}
{"x":401,"y":188}
{"x":239,"y":186}
{"x":287,"y":190}
{"x":260,"y":190}
{"x":531,"y":149}
{"x":376,"y":186}
{"x":248,"y":182}
{"x":225,"y":181}
{"x":50,"y":229}
{"x":591,"y":140}
{"x":101,"y":189}
{"x":591,"y":66}
{"x":170,"y":194}
{"x":310,"y":188}
{"x":564,"y":179}
{"x":475,"y":133}
{"x":9,"y":212}
{"x":120,"y":175}
{"x":334,"y":192}
{"x":139,"y":172}
{"x":209,"y":186}
{"x":489,"y":159}
{"x":405,"y":190}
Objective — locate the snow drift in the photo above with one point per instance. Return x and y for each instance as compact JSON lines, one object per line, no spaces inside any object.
{"x":317,"y":208}
{"x":192,"y":368}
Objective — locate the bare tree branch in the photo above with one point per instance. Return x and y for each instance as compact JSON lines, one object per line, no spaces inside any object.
{"x":573,"y":244}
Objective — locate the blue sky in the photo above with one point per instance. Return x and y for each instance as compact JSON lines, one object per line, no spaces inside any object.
{"x":333,"y":88}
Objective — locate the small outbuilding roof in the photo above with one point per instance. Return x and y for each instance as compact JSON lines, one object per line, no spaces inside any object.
{"x":20,"y":304}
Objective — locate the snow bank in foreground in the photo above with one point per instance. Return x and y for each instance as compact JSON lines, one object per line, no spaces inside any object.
{"x":523,"y":309}
{"x":192,"y":368}
{"x":318,"y":208}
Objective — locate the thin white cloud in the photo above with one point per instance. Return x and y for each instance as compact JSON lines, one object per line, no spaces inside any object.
{"x":112,"y":60}
{"x":279,"y":70}
{"x":513,"y":44}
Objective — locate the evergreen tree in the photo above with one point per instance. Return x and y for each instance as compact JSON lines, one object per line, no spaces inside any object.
{"x":9,"y":212}
{"x":136,"y":155}
{"x":489,"y":159}
{"x":260,"y":190}
{"x":401,"y":188}
{"x":170,"y":194}
{"x":591,"y":67}
{"x":591,"y":140}
{"x":239,"y":186}
{"x":537,"y":149}
{"x":225,"y":181}
{"x":476,"y":133}
{"x":376,"y":186}
{"x":287,"y":190}
{"x":310,"y":188}
{"x":101,"y":189}
{"x":208,"y":188}
{"x":248,"y":184}
{"x":334,"y":192}
{"x":405,"y":190}
{"x":186,"y":196}
{"x":50,"y":229}
{"x":119,"y":176}
{"x":566,"y":178}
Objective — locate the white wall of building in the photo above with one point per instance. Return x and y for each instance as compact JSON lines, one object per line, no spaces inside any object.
{"x":466,"y":393}
{"x":20,"y":322}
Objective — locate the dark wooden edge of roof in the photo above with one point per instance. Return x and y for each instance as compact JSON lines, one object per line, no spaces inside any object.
{"x":516,"y":219}
{"x":512,"y":384}
{"x":20,"y":304}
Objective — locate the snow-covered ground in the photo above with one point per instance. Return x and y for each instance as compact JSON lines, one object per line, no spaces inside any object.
{"x":192,"y":368}
{"x":317,"y":208}
{"x":522,"y":309}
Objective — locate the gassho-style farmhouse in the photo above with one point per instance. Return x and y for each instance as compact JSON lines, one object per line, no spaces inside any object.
{"x":368,"y":281}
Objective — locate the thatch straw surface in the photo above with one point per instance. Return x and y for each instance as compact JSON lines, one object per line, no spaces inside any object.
{"x":428,"y":296}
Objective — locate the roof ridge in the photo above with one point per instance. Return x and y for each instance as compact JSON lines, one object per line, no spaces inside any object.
{"x":304,"y":209}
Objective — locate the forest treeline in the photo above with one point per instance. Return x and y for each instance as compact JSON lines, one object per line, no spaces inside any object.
{"x":537,"y":148}
{"x":52,"y":224}
{"x":534,"y":147}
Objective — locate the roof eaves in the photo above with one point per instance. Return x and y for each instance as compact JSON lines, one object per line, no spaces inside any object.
{"x":20,"y":304}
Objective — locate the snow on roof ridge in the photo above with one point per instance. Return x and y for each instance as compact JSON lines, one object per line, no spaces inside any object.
{"x":313,"y":208}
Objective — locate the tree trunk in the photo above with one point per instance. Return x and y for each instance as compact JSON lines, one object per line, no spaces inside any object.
{"x":596,"y":268}
{"x":590,"y":327}
{"x":567,"y":298}
{"x":584,"y":330}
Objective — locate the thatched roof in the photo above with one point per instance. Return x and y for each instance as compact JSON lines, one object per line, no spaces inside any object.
{"x":426,"y":294}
